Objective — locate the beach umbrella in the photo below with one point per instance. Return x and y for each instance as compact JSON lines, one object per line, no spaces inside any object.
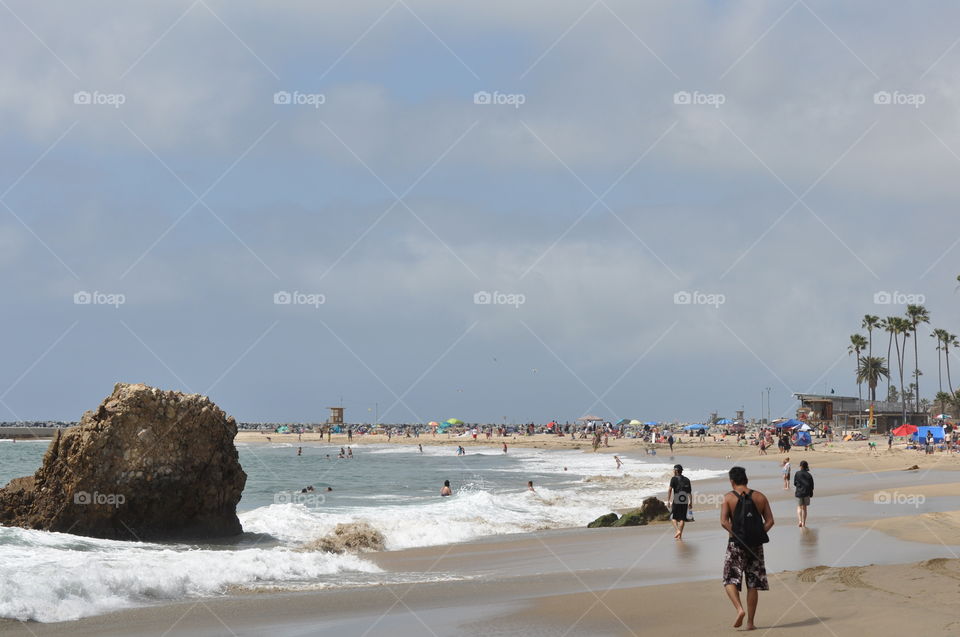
{"x":943,"y":416}
{"x":695,"y":427}
{"x":904,"y":430}
{"x":622,"y":421}
{"x":590,"y":418}
{"x":433,"y":423}
{"x":724,"y":421}
{"x":453,"y":421}
{"x":801,"y":427}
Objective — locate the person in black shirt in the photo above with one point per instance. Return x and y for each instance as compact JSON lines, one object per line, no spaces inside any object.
{"x":680,"y":497}
{"x":803,"y":481}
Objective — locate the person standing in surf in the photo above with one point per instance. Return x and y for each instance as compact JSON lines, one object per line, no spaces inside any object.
{"x":679,"y":495}
{"x":746,"y":516}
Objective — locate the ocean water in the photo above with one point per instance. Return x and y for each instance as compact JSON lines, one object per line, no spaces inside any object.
{"x":56,"y":577}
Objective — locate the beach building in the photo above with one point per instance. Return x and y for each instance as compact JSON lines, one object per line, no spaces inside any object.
{"x":844,"y":413}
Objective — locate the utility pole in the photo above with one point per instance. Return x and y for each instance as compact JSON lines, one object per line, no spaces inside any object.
{"x":768,"y":404}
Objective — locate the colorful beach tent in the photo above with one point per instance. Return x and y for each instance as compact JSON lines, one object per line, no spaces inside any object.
{"x":453,"y":421}
{"x":904,"y":430}
{"x":802,"y":439}
{"x":921,"y":434}
{"x":694,"y":427}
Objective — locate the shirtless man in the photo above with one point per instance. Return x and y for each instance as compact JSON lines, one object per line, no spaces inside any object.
{"x":744,"y":557}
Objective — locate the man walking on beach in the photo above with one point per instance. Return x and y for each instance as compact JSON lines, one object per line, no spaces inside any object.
{"x":670,"y":442}
{"x":747,"y":517}
{"x":803,"y":481}
{"x":679,"y":495}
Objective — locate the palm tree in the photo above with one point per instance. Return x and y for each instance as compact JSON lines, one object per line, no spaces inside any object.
{"x":872,"y":369}
{"x":939,"y":334}
{"x":869,"y":323}
{"x":901,"y":326}
{"x":917,"y":314}
{"x":857,"y":345}
{"x":889,"y":326}
{"x":943,"y":399}
{"x":949,"y":340}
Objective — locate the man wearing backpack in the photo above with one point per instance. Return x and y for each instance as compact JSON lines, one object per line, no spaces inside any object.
{"x":747,"y":517}
{"x":680,"y":497}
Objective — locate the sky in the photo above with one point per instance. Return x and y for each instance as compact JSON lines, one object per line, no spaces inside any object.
{"x":495,"y":211}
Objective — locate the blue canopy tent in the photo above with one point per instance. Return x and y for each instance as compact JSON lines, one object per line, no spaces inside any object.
{"x":788,"y":424}
{"x":695,"y":427}
{"x":650,"y":423}
{"x":921,"y":434}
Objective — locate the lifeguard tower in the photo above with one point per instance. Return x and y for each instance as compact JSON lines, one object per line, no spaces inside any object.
{"x":336,"y":416}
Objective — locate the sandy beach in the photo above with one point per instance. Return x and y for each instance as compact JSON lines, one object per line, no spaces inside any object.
{"x":879,"y":557}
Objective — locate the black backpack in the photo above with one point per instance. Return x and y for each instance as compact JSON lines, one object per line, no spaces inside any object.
{"x":747,"y":523}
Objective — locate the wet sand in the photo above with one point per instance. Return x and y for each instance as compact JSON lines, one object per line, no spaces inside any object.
{"x":629,"y":580}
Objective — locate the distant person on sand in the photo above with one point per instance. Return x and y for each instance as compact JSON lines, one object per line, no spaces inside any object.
{"x":445,"y":489}
{"x":785,"y":470}
{"x":890,"y":440}
{"x":670,"y":442}
{"x":747,"y":517}
{"x":679,"y":496}
{"x":803,"y":481}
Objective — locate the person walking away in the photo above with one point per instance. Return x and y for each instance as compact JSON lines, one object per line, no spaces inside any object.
{"x":670,"y":442}
{"x":890,"y":440}
{"x":785,"y":469}
{"x":746,"y":516}
{"x":803,"y":481}
{"x":679,"y":495}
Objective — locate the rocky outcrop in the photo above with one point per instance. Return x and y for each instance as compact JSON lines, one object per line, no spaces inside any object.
{"x":604,"y":520}
{"x":146,"y":465}
{"x":352,"y":537}
{"x":650,"y":511}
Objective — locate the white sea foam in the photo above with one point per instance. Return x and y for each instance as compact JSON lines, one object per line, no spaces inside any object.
{"x":57,"y":577}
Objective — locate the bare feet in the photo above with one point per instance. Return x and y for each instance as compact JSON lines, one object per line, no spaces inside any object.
{"x":740,"y":617}
{"x":750,"y":627}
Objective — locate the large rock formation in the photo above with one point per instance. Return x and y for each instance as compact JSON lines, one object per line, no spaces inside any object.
{"x":147,"y":464}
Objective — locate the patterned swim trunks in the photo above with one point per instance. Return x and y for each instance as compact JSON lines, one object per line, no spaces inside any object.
{"x":741,"y":562}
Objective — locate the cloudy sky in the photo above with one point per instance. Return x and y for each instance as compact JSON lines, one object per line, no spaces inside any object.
{"x":489,"y":210}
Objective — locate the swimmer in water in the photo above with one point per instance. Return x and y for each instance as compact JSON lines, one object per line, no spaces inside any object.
{"x":445,"y":489}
